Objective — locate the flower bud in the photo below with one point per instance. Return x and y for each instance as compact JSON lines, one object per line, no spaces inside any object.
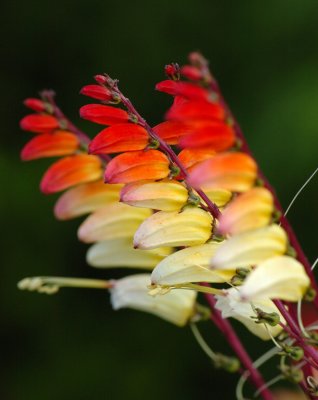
{"x":192,"y":73}
{"x":97,"y":92}
{"x":185,"y":89}
{"x":85,"y":198}
{"x":59,"y":143}
{"x":165,"y":195}
{"x":190,"y":227}
{"x":120,"y":253}
{"x":39,"y":123}
{"x":71,"y":171}
{"x":137,"y":165}
{"x":250,"y":210}
{"x":104,"y":115}
{"x":35,"y":104}
{"x":250,"y":248}
{"x":113,"y":221}
{"x":119,"y":138}
{"x":195,"y":110}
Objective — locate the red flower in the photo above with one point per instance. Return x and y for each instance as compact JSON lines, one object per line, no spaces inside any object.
{"x":185,"y":89}
{"x":171,"y":131}
{"x":97,"y":92}
{"x":104,"y":115}
{"x":39,"y":123}
{"x":195,"y":110}
{"x":119,"y":138}
{"x":35,"y":104}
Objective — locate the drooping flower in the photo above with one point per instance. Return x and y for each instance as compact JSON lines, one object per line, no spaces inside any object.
{"x":104,"y":115}
{"x":176,"y":306}
{"x":39,"y":123}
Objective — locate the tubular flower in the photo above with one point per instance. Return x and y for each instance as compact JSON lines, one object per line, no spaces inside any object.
{"x":137,"y":165}
{"x":39,"y":123}
{"x":119,"y":138}
{"x":203,"y":194}
{"x":111,"y":222}
{"x":120,"y":253}
{"x":176,"y":307}
{"x":189,"y":265}
{"x":250,"y":210}
{"x":104,"y":115}
{"x":279,"y":277}
{"x":171,"y":131}
{"x":231,"y":306}
{"x":59,"y":143}
{"x":71,"y":171}
{"x":250,"y":248}
{"x":190,"y":227}
{"x":165,"y":195}
{"x":236,"y":172}
{"x":85,"y":198}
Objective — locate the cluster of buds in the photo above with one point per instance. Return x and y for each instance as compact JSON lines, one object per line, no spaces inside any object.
{"x":182,"y":199}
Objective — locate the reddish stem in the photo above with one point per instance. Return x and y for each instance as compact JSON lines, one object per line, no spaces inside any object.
{"x":238,"y":348}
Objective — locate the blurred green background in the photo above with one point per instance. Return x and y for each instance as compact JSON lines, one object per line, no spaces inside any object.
{"x":265,"y":56}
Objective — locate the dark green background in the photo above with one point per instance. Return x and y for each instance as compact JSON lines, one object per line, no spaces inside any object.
{"x":265,"y":55}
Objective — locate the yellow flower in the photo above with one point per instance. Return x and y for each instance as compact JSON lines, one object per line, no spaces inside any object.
{"x":176,"y":306}
{"x":190,"y":227}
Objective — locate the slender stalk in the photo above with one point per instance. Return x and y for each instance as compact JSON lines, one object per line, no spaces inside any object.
{"x":49,"y":95}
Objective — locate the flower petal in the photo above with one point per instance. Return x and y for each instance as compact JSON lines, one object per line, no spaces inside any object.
{"x":85,"y":198}
{"x":70,"y":171}
{"x":137,"y":165}
{"x":279,"y":277}
{"x":219,"y":196}
{"x":232,"y":171}
{"x":189,"y":265}
{"x":166,"y":195}
{"x":120,"y":253}
{"x":119,"y":138}
{"x":191,"y":157}
{"x":59,"y":143}
{"x":250,"y":248}
{"x":190,"y":227}
{"x":231,"y":306}
{"x":112,"y":222}
{"x":176,"y":306}
{"x":97,"y":92}
{"x":250,"y":210}
{"x":104,"y":115}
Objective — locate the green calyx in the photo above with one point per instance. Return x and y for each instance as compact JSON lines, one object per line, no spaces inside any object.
{"x":229,"y":364}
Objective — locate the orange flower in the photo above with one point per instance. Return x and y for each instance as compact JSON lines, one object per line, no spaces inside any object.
{"x":191,"y":157}
{"x":171,"y":131}
{"x":70,"y":171}
{"x":232,"y":171}
{"x":137,"y":165}
{"x":119,"y":138}
{"x":59,"y":143}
